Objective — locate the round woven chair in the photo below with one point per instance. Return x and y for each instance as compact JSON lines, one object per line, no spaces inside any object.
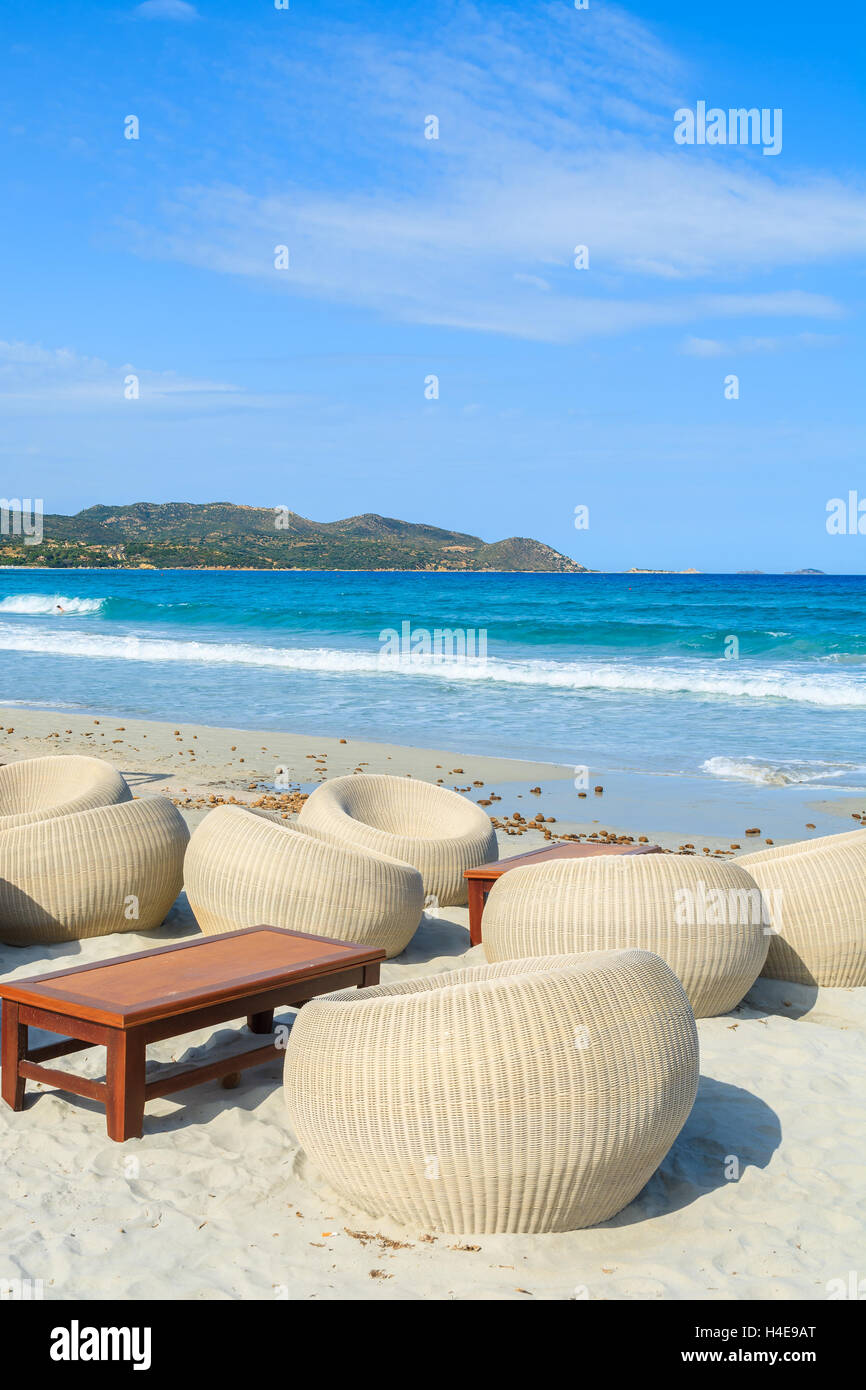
{"x":38,"y":789}
{"x":816,"y":895}
{"x":243,"y":868}
{"x":435,"y":829}
{"x":538,"y":1095}
{"x":705,"y":919}
{"x":69,"y":869}
{"x":856,"y":838}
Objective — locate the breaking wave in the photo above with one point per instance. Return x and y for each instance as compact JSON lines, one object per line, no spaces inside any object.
{"x":716,"y":680}
{"x":53,"y":605}
{"x":776,"y":774}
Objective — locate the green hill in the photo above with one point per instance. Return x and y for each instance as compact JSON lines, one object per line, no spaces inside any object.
{"x":220,"y":535}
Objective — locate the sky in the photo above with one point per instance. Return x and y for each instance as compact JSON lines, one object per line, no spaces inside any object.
{"x":308,"y":385}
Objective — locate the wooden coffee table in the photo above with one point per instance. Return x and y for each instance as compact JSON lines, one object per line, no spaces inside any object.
{"x":482,"y":879}
{"x":126,"y":1003}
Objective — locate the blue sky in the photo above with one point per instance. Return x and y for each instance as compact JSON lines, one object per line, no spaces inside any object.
{"x":410,"y":257}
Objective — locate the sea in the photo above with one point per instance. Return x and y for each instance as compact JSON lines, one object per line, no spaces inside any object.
{"x":702,"y":698}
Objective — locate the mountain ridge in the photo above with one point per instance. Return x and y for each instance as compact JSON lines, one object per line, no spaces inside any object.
{"x":228,"y":535}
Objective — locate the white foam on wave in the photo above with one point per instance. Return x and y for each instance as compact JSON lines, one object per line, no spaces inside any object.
{"x":779,"y":774}
{"x":721,"y":679}
{"x":53,"y":605}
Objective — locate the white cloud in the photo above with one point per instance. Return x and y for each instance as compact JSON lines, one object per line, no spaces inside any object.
{"x":59,"y":379}
{"x":535,"y":280}
{"x":551,"y":135}
{"x":166,"y":9}
{"x":714,"y":347}
{"x":704,"y":347}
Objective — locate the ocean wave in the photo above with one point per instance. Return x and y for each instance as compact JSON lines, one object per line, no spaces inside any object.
{"x":32,"y":605}
{"x":784,"y":773}
{"x":719,"y":680}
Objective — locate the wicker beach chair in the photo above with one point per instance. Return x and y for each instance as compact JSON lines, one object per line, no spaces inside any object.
{"x":534,"y":1095}
{"x":707,"y":920}
{"x":243,"y":868}
{"x":79,"y":857}
{"x":437,"y":830}
{"x":38,"y":789}
{"x":816,"y":892}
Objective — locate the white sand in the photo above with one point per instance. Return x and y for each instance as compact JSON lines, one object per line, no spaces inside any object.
{"x":216,"y":1201}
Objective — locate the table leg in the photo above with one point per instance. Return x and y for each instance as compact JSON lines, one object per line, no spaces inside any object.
{"x":13,"y":1049}
{"x":257,"y":1023}
{"x":124,"y":1110}
{"x":477,"y":896}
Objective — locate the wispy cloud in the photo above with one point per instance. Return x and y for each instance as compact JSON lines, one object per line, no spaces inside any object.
{"x":58,"y":379}
{"x":553,"y":133}
{"x":715,"y":347}
{"x":166,"y":9}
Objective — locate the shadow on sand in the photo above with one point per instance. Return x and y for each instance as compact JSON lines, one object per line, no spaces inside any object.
{"x":727,"y":1123}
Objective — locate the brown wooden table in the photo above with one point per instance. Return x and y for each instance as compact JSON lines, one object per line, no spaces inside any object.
{"x":482,"y":879}
{"x":126,"y":1003}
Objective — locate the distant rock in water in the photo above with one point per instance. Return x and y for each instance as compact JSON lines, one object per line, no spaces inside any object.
{"x":805,"y":571}
{"x":222,"y":535}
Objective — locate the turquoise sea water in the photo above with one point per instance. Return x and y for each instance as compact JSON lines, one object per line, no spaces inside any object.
{"x":620,"y":673}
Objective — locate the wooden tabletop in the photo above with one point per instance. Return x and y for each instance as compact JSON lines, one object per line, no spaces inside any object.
{"x":173,"y":979}
{"x":543,"y":856}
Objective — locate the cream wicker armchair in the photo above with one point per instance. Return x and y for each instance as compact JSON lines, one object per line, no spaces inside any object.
{"x":79,"y":857}
{"x":706,"y":919}
{"x":38,"y":789}
{"x":534,"y":1095}
{"x":816,"y":895}
{"x":437,"y":830}
{"x":243,"y":868}
{"x":856,"y":838}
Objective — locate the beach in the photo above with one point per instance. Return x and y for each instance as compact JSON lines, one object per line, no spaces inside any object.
{"x":216,"y":1201}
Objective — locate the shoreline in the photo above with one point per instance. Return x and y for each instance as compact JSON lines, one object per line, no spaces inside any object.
{"x":198,"y":765}
{"x":201,"y":765}
{"x":303,"y":569}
